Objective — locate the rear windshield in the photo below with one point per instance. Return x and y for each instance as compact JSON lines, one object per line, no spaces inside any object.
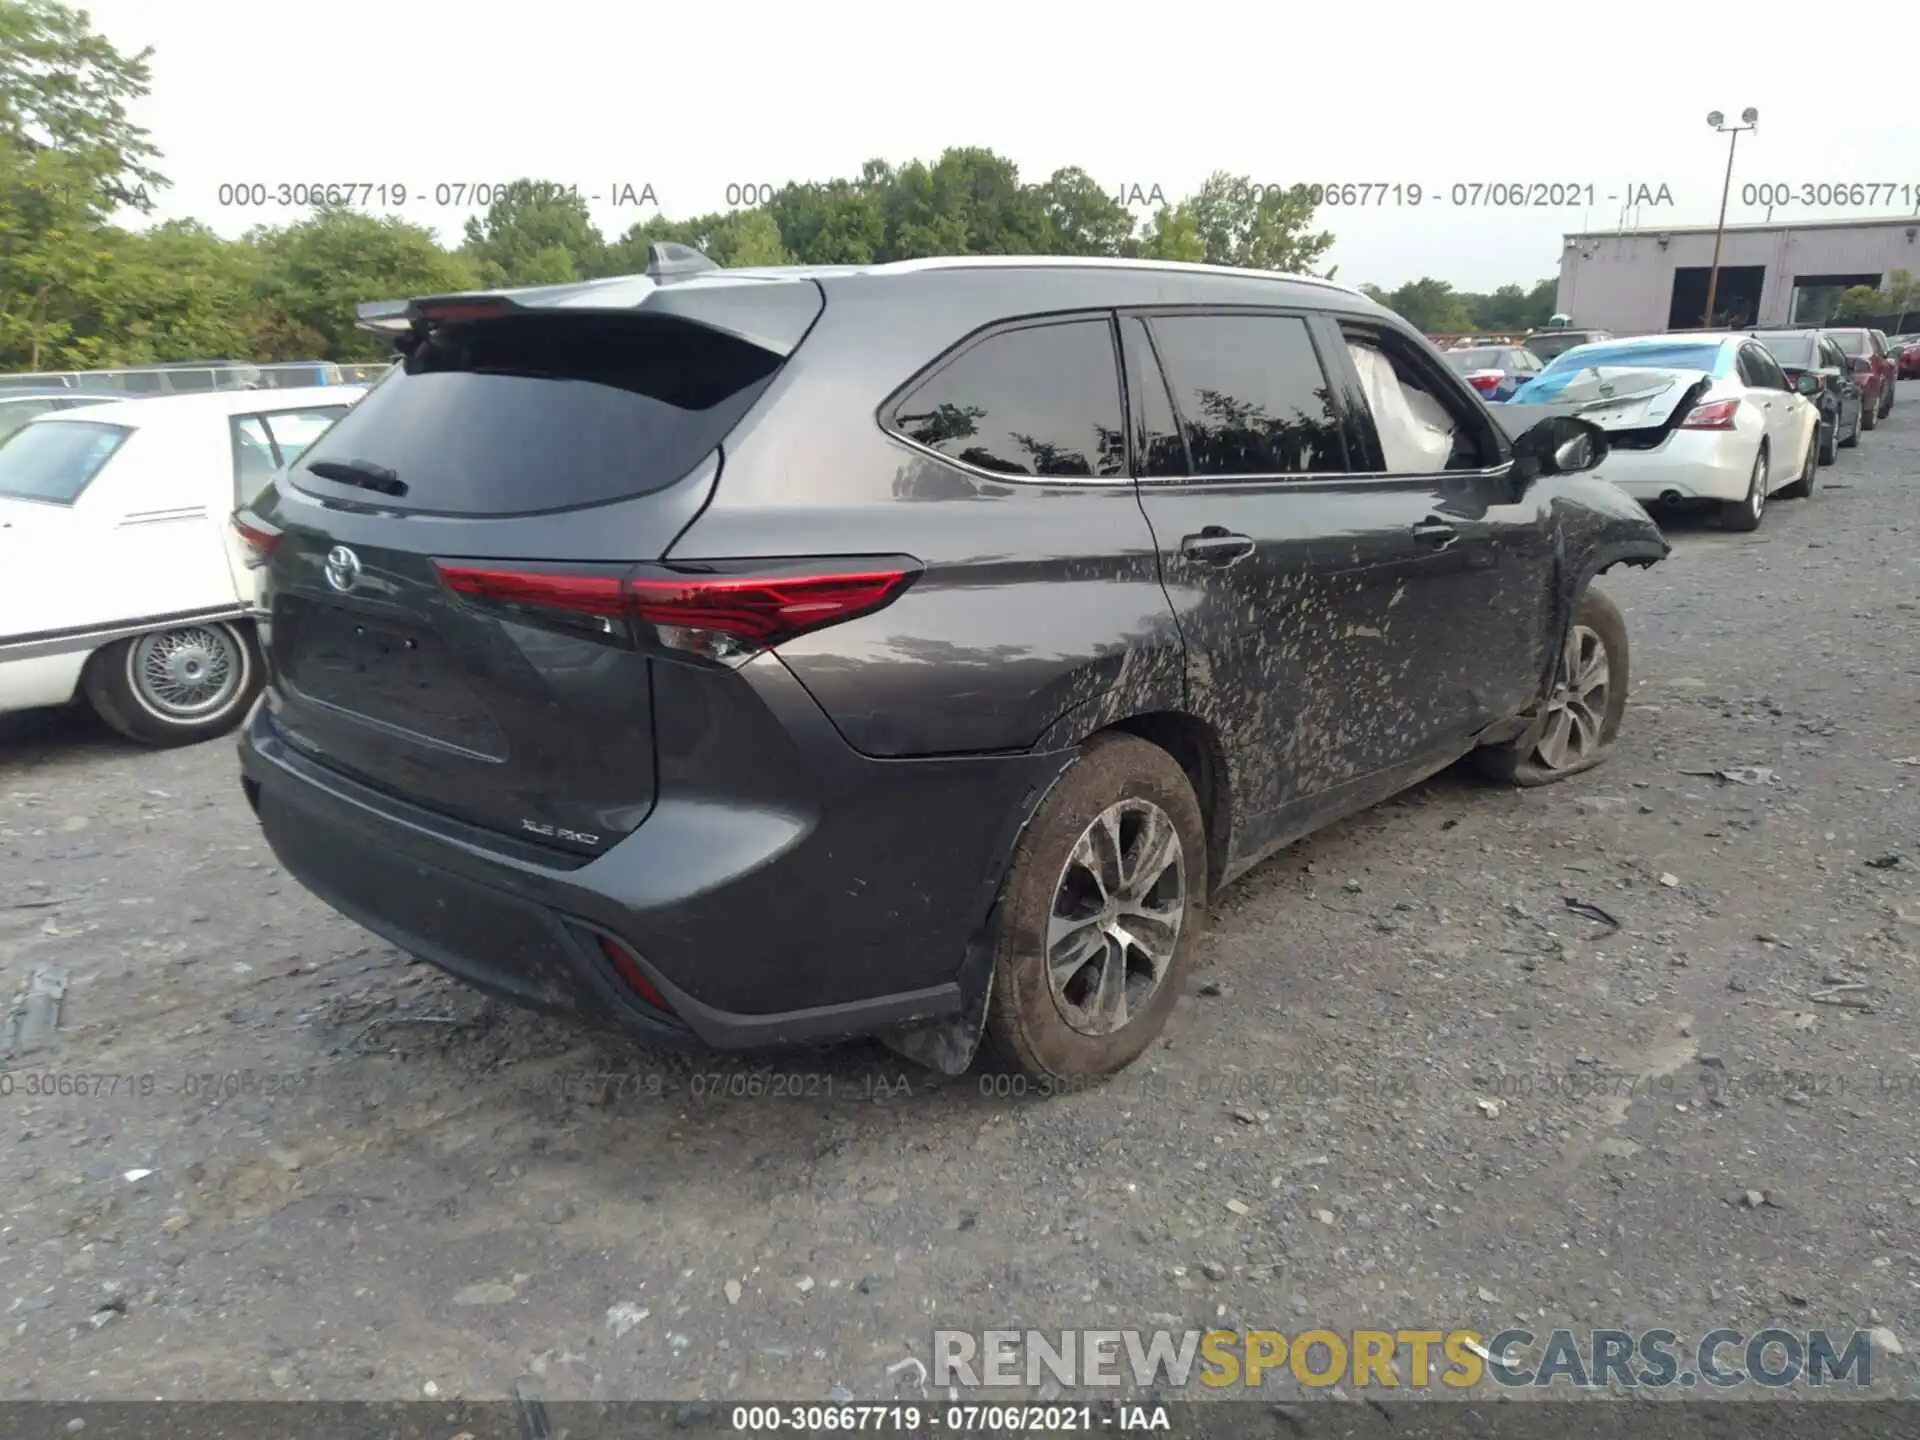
{"x":1789,"y":349}
{"x":1671,"y":355}
{"x":1549,"y":345}
{"x":531,"y":413}
{"x":55,"y":460}
{"x":1854,"y":342}
{"x":1464,"y":361}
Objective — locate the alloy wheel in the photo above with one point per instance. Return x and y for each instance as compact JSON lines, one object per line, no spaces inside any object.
{"x":1116,"y":916}
{"x":1578,"y":706}
{"x":187,"y":674}
{"x":1757,"y":487}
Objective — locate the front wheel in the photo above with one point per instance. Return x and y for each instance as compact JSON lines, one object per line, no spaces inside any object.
{"x":1103,"y":907}
{"x":1869,"y":414}
{"x":1745,"y":514}
{"x":1584,"y":708}
{"x":1829,"y":442}
{"x":1853,"y":435}
{"x":176,"y":687}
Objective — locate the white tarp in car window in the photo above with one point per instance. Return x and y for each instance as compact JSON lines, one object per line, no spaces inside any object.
{"x":1416,"y":433}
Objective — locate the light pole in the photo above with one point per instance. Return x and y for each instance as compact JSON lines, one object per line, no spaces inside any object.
{"x":1749,"y":120}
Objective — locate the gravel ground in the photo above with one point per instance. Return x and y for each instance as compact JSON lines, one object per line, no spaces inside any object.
{"x":1413,"y":1087}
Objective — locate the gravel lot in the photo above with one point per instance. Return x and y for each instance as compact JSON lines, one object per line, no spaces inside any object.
{"x":1437,"y":1094}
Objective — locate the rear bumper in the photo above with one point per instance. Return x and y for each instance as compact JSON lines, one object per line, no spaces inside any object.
{"x":1690,"y":465}
{"x":758,"y":928}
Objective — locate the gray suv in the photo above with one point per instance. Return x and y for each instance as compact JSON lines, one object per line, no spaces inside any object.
{"x":746,"y":657}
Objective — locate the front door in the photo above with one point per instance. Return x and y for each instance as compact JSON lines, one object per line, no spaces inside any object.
{"x":1305,"y":586}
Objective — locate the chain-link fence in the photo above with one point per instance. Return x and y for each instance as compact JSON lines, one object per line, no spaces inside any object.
{"x":141,"y":380}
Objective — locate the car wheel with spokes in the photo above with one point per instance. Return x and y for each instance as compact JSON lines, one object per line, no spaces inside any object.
{"x":1100,"y":914}
{"x":175,"y":687}
{"x":1745,"y":513}
{"x":1583,"y":709}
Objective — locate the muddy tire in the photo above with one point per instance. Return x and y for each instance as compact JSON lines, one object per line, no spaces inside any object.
{"x":176,"y":687}
{"x":1584,"y":709}
{"x":1101,"y":914}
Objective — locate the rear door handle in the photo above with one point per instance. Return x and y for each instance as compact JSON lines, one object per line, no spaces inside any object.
{"x":1216,"y":545}
{"x":1437,"y":532}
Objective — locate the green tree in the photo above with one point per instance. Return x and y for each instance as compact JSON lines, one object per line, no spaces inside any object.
{"x":1861,"y":302}
{"x":968,"y":202}
{"x":1082,"y":218}
{"x":65,"y":88}
{"x":1426,"y":304}
{"x":177,"y":292}
{"x":535,"y":233}
{"x":55,"y":256}
{"x":1173,"y":234}
{"x":840,"y":222}
{"x":315,"y":272}
{"x":1511,"y":307}
{"x":1903,"y":292}
{"x":1261,"y":228}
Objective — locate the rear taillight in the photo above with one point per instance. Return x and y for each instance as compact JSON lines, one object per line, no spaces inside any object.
{"x":1714,"y":415}
{"x":260,"y":537}
{"x":628,"y":969}
{"x":1485,"y":382}
{"x":725,"y":615}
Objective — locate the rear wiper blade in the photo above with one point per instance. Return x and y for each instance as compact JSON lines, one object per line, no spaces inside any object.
{"x":363,"y":473}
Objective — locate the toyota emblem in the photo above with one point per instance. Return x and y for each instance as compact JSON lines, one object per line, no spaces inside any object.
{"x":343,"y":568}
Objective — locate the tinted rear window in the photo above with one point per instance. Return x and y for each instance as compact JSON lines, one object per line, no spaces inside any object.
{"x":55,"y":460}
{"x":1789,"y":349}
{"x":1043,"y":400}
{"x":1652,"y":355}
{"x":545,"y":412}
{"x":1465,"y":361}
{"x":1854,"y":342}
{"x":1252,"y":397}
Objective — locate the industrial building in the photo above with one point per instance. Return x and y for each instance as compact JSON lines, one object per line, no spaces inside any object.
{"x":1636,"y":281}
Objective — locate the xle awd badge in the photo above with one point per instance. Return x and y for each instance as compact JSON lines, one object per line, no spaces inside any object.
{"x":559,"y":832}
{"x":343,"y":568}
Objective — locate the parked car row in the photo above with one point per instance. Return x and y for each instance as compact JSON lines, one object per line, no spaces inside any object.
{"x":120,"y":577}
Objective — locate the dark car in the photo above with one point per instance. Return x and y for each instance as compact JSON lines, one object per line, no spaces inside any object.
{"x":1872,"y":366}
{"x":757,"y":656}
{"x":1820,"y":369}
{"x":1549,"y":345}
{"x":1495,"y":371}
{"x":17,"y":407}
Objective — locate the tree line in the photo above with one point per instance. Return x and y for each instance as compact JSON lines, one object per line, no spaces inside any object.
{"x":79,"y":290}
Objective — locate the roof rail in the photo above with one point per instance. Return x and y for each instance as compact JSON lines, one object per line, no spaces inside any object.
{"x":667,"y":261}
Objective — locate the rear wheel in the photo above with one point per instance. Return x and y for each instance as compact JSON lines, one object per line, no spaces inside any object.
{"x":1829,"y":442}
{"x":1745,"y":514}
{"x":175,"y":687}
{"x":1584,"y":708}
{"x":1103,"y":907}
{"x":1853,"y":435}
{"x":1802,"y":487}
{"x":1869,"y":414}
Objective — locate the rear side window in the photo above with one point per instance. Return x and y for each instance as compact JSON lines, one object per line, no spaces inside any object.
{"x":292,"y":431}
{"x":1854,"y":342}
{"x":1251,"y":395}
{"x":54,"y":461}
{"x":1042,"y":401}
{"x":530,"y":413}
{"x":18,"y":412}
{"x":253,"y":463}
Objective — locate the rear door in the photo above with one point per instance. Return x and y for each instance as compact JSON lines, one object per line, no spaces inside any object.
{"x":541,"y":455}
{"x":1300,"y":582}
{"x":1783,"y":409}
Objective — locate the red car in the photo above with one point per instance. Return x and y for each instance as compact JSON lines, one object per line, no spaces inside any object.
{"x":1906,"y":350}
{"x":1873,"y":366}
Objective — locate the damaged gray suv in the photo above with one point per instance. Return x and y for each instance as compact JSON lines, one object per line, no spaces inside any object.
{"x":739,"y":657}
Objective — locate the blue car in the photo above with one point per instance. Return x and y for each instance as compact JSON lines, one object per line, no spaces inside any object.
{"x":1496,"y":371}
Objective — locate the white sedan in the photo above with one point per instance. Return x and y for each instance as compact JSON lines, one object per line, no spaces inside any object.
{"x":120,"y":575}
{"x":1689,"y":418}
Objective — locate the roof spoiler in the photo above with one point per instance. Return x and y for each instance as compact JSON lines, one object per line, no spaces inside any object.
{"x":666,"y":263}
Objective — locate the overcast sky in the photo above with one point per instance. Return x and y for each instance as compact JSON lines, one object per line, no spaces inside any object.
{"x":690,"y":99}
